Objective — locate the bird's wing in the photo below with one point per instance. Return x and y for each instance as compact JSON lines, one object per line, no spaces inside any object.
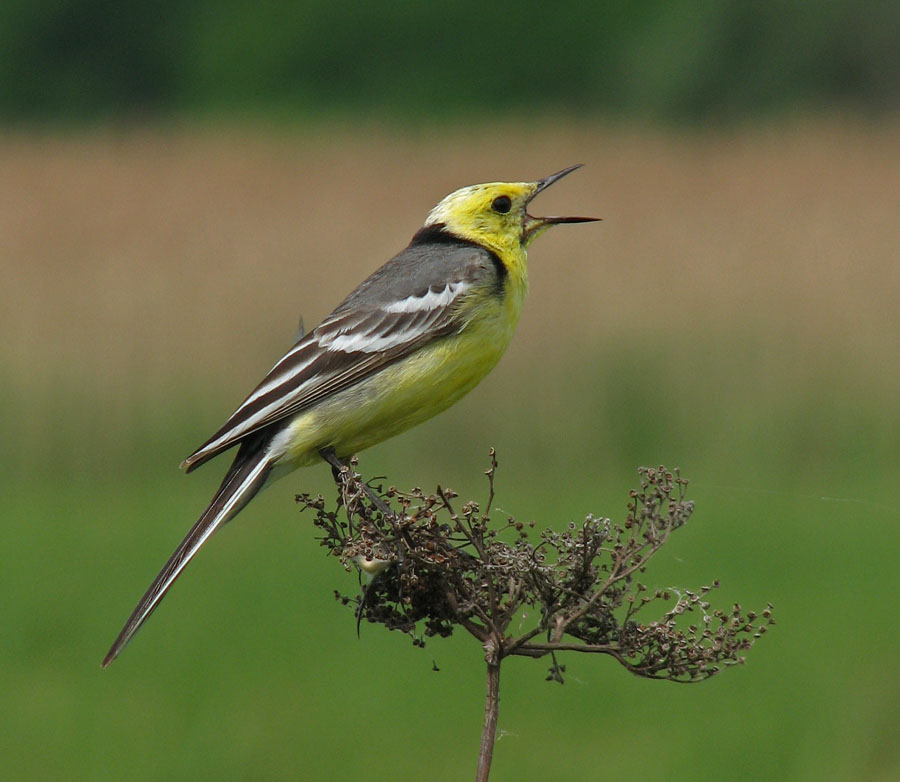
{"x":366,"y":333}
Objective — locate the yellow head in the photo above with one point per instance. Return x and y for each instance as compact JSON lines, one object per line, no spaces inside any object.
{"x":495,"y":215}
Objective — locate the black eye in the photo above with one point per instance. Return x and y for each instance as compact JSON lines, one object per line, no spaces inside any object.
{"x":501,"y":204}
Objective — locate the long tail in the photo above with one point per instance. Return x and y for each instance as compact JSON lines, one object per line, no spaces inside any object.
{"x":244,"y":479}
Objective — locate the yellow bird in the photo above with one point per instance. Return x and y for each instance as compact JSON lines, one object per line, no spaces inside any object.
{"x":411,"y":340}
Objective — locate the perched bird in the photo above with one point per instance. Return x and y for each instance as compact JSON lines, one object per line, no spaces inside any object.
{"x":413,"y":338}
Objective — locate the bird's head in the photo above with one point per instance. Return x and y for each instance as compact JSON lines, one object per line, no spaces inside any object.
{"x":495,"y":214}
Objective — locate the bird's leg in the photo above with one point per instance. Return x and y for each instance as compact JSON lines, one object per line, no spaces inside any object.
{"x":336,"y":474}
{"x":337,"y":466}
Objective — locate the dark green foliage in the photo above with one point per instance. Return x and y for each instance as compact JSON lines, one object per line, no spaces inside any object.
{"x":85,"y":58}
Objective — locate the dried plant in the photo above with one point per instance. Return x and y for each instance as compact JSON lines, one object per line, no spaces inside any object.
{"x":439,"y":565}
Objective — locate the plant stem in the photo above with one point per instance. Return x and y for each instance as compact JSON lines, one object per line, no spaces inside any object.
{"x":491,"y":710}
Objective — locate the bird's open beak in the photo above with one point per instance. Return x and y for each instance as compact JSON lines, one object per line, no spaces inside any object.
{"x":532,"y":226}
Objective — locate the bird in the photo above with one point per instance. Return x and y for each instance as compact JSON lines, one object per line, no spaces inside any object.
{"x":411,"y":340}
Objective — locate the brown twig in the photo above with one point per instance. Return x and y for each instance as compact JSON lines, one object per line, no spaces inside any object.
{"x":491,"y":712}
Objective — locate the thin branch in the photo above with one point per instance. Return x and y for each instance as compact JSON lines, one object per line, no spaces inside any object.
{"x":491,"y":713}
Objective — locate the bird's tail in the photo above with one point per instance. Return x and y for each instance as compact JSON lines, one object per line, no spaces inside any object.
{"x":247,"y":475}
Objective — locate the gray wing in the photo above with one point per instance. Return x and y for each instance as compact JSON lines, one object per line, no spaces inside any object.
{"x":416,"y":297}
{"x":422,"y":265}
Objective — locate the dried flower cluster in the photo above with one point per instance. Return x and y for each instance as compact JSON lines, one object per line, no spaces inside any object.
{"x":437,"y":565}
{"x":442,"y":565}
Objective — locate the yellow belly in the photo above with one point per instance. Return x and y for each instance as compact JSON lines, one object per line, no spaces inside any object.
{"x":401,"y":395}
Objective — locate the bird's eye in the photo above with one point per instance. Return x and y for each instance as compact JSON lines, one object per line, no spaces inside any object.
{"x":501,"y":204}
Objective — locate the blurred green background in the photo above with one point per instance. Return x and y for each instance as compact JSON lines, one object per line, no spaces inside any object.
{"x":688,"y":60}
{"x":179,"y":182}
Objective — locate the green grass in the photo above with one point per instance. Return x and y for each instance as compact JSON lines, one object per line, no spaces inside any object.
{"x":250,"y":669}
